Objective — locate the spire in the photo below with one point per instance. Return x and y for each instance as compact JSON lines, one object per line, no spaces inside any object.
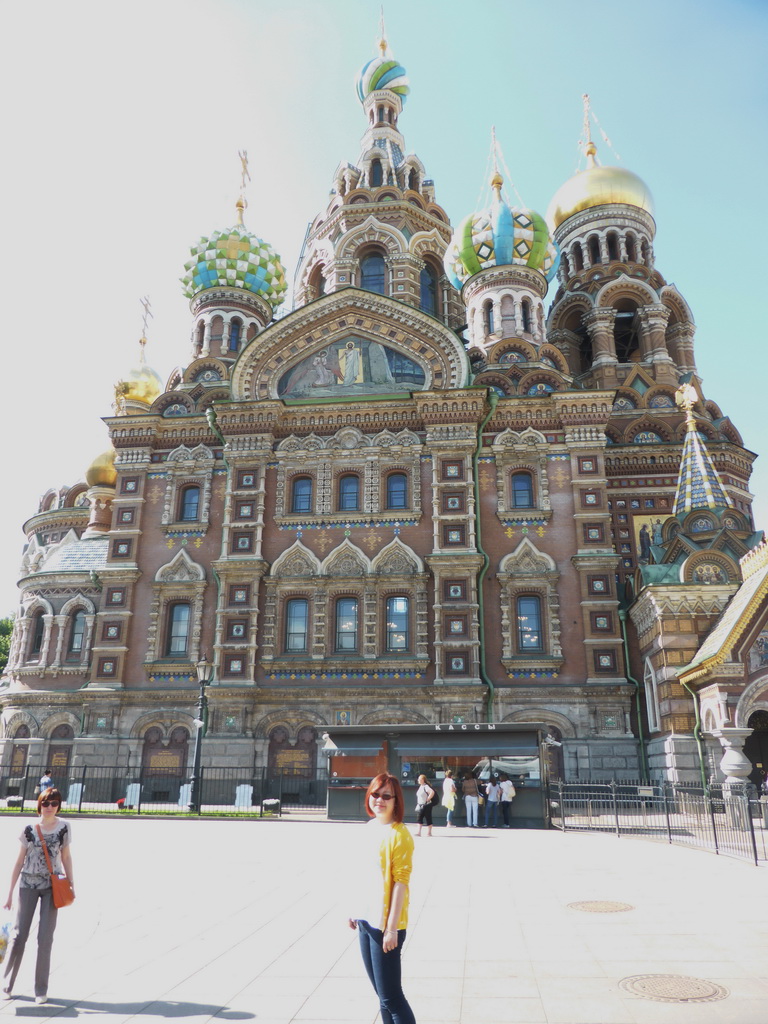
{"x":242,"y":203}
{"x":496,"y":181}
{"x":147,"y":307}
{"x":699,"y":485}
{"x":586,"y":141}
{"x":382,"y":34}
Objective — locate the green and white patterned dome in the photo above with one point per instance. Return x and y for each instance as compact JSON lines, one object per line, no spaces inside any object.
{"x":235,"y":259}
{"x":382,"y":72}
{"x":500,"y":236}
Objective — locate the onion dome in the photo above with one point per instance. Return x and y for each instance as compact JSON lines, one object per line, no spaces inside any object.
{"x":382,"y":72}
{"x":235,"y":259}
{"x":500,"y":236}
{"x":102,"y":472}
{"x":142,"y":384}
{"x":598,"y":186}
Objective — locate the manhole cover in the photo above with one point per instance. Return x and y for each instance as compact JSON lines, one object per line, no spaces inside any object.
{"x":601,"y":906}
{"x":673,"y":988}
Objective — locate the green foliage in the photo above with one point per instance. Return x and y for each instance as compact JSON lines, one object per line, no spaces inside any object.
{"x":6,"y":628}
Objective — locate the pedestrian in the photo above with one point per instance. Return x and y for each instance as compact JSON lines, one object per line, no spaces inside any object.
{"x":492,"y":799}
{"x":508,"y":794}
{"x":449,"y":798}
{"x":35,"y":887}
{"x":46,"y":782}
{"x":424,"y":797}
{"x":383,"y":918}
{"x":471,"y":793}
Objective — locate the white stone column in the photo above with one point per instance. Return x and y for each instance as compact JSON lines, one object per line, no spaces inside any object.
{"x":735,"y":765}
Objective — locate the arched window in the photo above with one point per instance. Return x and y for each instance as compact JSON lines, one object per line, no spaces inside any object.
{"x":296,"y":625}
{"x":200,"y":336}
{"x":38,"y":632}
{"x":373,"y":273}
{"x":529,"y":634}
{"x":76,"y":632}
{"x":631,"y":249}
{"x":522,"y":490}
{"x":397,"y":619}
{"x":349,"y":493}
{"x":377,"y":173}
{"x":380,"y":115}
{"x":189,"y":504}
{"x":235,"y":333}
{"x":646,"y":253}
{"x":613,"y":245}
{"x":578,"y":257}
{"x":593,"y":245}
{"x":177,"y":635}
{"x":397,"y":491}
{"x":317,"y":282}
{"x":346,"y":624}
{"x":525,"y":307}
{"x":301,"y":494}
{"x":413,"y":180}
{"x":428,"y":293}
{"x":488,"y":320}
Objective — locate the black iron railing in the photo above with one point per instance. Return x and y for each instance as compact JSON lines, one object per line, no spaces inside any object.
{"x":730,"y":819}
{"x":114,"y":789}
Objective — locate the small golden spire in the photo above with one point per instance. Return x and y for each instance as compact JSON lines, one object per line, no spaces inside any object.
{"x":589,"y":147}
{"x":245,"y":175}
{"x":496,"y":181}
{"x":382,"y":34}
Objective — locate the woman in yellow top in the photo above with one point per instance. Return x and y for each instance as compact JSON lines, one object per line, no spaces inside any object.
{"x":385,"y":899}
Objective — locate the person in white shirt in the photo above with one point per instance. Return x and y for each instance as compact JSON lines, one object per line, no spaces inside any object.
{"x":508,"y":794}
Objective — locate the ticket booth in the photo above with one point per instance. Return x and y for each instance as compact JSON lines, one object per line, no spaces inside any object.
{"x":357,"y":753}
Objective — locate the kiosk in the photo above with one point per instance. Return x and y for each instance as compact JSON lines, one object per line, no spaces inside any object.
{"x":357,"y":752}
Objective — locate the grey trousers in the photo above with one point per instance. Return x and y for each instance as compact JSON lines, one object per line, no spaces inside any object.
{"x":28,"y":899}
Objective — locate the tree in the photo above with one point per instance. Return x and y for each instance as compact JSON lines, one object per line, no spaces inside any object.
{"x":6,"y":628}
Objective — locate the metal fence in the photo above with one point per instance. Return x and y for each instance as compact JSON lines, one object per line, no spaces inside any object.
{"x":722,"y":818}
{"x":118,"y":790}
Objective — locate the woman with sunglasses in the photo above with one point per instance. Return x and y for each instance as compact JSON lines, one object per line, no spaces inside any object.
{"x":383,"y":903}
{"x":35,"y":887}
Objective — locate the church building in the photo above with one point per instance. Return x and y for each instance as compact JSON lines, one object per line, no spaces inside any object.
{"x":471,"y":478}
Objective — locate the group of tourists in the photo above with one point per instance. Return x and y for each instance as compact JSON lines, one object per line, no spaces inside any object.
{"x":497,"y":792}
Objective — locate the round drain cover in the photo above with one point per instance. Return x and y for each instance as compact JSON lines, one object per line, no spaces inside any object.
{"x":601,"y":906}
{"x":673,"y":988}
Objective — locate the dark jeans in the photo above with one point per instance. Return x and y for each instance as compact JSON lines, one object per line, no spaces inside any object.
{"x":384,"y":971}
{"x":505,"y":808}
{"x":491,"y":809}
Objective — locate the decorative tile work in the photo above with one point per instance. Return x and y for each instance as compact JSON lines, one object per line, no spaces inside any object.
{"x":235,"y":259}
{"x":333,"y":676}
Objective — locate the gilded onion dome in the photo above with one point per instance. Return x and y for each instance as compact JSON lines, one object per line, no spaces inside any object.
{"x":235,"y":259}
{"x":102,"y":472}
{"x":142,"y":384}
{"x":598,"y":186}
{"x":500,"y":236}
{"x":382,"y":72}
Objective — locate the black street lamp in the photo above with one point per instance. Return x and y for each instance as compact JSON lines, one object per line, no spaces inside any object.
{"x":204,"y":674}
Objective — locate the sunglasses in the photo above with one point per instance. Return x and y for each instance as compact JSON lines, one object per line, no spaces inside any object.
{"x":382,"y":796}
{"x":50,"y":803}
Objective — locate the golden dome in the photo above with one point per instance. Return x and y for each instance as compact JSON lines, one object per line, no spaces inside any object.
{"x":598,"y":186}
{"x":141,"y":384}
{"x":102,"y":472}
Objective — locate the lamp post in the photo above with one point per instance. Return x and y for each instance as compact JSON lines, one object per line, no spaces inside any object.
{"x":204,"y":672}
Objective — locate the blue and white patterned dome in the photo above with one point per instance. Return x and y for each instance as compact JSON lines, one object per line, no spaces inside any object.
{"x":500,"y":236}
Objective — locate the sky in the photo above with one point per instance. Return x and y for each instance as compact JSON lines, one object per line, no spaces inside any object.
{"x":122,"y":124}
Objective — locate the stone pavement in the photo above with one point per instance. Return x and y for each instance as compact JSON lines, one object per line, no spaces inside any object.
{"x":246,"y":920}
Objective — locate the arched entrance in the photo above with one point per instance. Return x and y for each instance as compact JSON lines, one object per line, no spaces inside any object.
{"x":756,"y":746}
{"x":60,"y":750}
{"x":164,"y":763}
{"x":19,"y":750}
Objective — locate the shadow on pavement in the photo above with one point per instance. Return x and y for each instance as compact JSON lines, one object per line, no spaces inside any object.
{"x":153,"y":1008}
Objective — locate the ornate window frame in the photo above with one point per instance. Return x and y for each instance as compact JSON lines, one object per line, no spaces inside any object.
{"x":528,"y":572}
{"x":524,"y":451}
{"x":184,"y":467}
{"x":180,"y":580}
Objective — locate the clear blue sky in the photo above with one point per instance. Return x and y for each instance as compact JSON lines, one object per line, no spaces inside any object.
{"x":123,"y":121}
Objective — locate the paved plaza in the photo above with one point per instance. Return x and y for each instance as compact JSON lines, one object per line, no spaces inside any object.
{"x":246,"y":920}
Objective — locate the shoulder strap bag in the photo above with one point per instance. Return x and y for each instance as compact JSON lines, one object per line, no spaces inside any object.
{"x":61,"y":887}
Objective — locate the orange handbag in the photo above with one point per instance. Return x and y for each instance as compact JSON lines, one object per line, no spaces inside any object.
{"x":61,"y":887}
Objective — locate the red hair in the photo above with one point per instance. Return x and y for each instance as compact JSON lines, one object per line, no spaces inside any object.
{"x":385,"y":779}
